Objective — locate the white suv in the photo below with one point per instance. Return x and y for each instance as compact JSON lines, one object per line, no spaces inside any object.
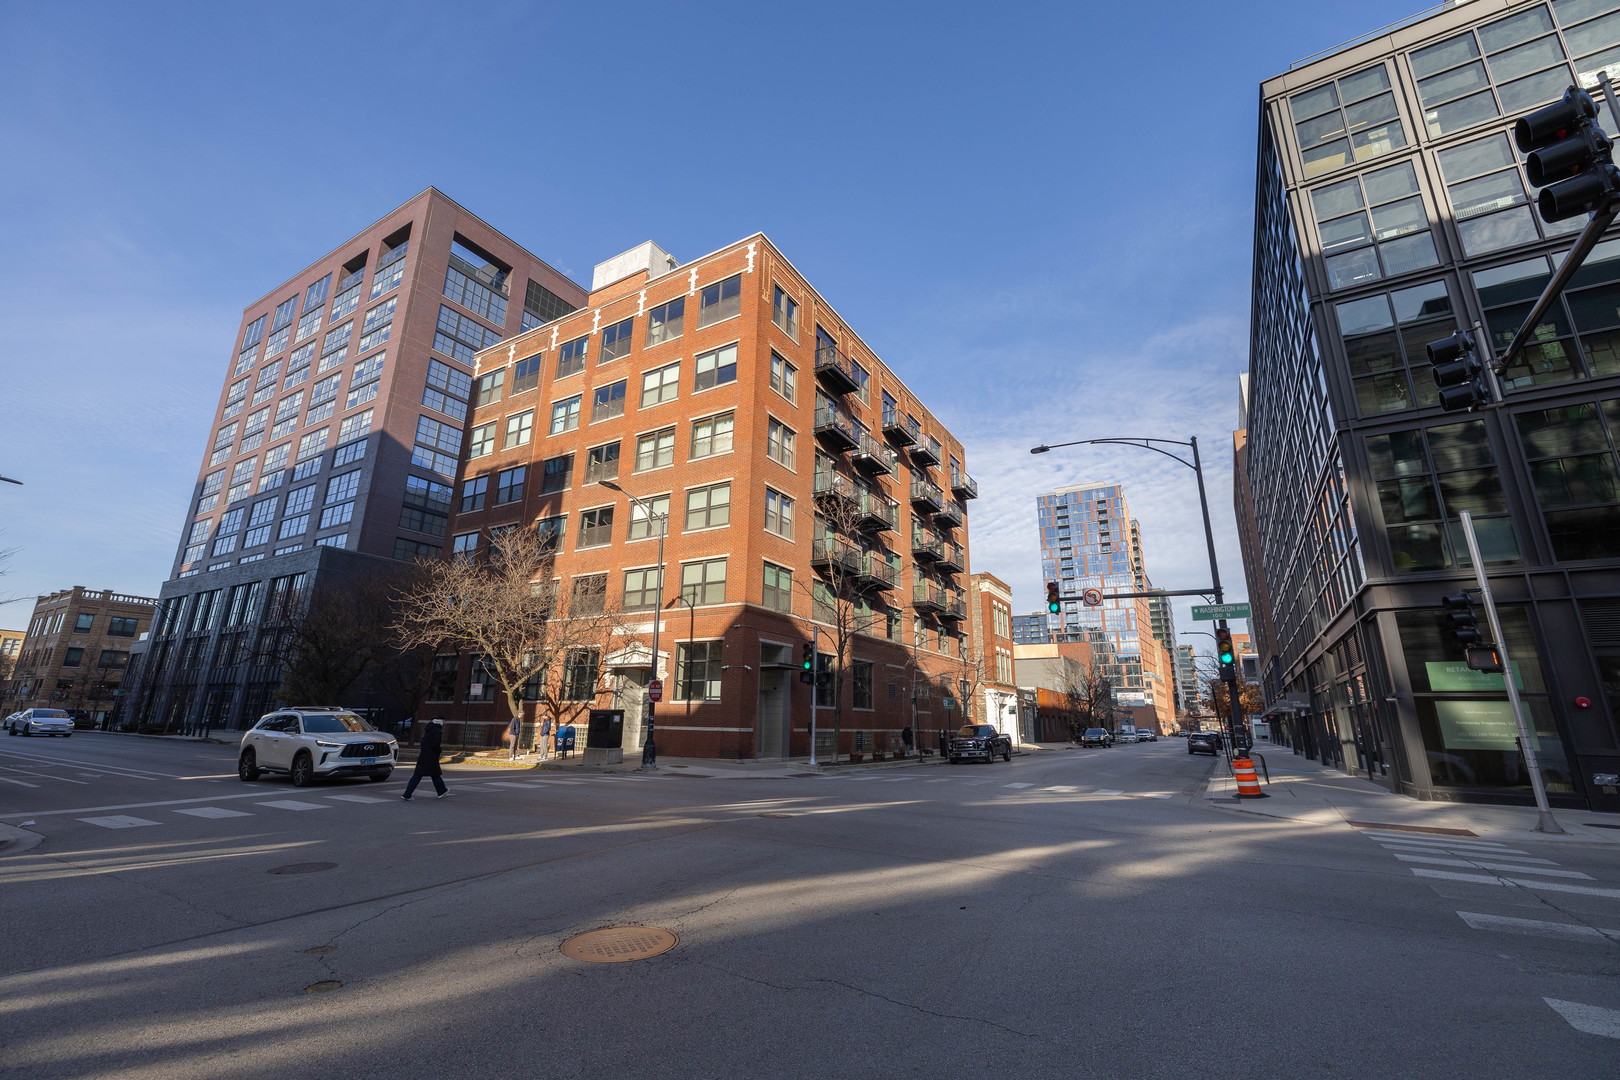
{"x":40,"y":722}
{"x":307,"y":743}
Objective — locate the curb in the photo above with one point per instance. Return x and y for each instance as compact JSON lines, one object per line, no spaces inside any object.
{"x":165,"y":738}
{"x":15,"y":841}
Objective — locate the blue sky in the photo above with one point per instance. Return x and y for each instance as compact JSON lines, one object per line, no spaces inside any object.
{"x":1038,"y":214}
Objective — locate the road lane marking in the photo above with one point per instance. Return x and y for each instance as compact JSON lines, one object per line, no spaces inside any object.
{"x":500,"y":783}
{"x":1159,"y":795}
{"x":1448,"y":875}
{"x":212,"y":812}
{"x":133,"y":806}
{"x":350,"y":798}
{"x":1592,"y":1019}
{"x":1425,"y":846}
{"x":118,"y":821}
{"x":1496,"y":866}
{"x":1017,"y":785}
{"x":135,"y":774}
{"x":1066,"y":789}
{"x":1503,"y":924}
{"x":1408,"y":838}
{"x":294,"y":804}
{"x":19,"y":783}
{"x":942,"y":780}
{"x":1107,"y":791}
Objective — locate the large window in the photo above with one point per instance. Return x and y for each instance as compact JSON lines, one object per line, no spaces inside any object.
{"x":483,"y":440}
{"x":447,"y":389}
{"x":616,"y":340}
{"x":643,"y":589}
{"x":461,"y":337}
{"x":541,"y":305}
{"x":595,"y":527}
{"x":1352,"y":120}
{"x":708,"y":507}
{"x":720,"y":301}
{"x":526,"y":374}
{"x":785,"y":312}
{"x":589,"y":595}
{"x":1573,"y":460}
{"x":509,"y":485}
{"x":715,"y":368}
{"x":557,"y":474}
{"x":579,"y":674}
{"x":664,"y":321}
{"x":438,"y":446}
{"x":783,"y":377}
{"x":661,"y":385}
{"x":1507,"y":294}
{"x":704,"y":582}
{"x":697,"y":670}
{"x":519,"y":429}
{"x":649,"y":517}
{"x":778,"y":594}
{"x":1425,"y":479}
{"x":1373,"y":225}
{"x":655,"y":451}
{"x":1387,"y":334}
{"x":426,"y":509}
{"x":861,"y":678}
{"x":607,"y":402}
{"x":474,"y":493}
{"x":1488,"y":196}
{"x":602,"y":463}
{"x":565,"y":414}
{"x":779,"y":442}
{"x":571,"y":357}
{"x":778,"y":514}
{"x":712,"y":435}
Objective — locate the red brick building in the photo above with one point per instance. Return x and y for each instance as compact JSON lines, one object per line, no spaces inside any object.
{"x":732,"y":399}
{"x":990,"y":623}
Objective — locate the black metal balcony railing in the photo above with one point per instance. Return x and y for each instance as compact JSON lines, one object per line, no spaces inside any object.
{"x":950,"y":513}
{"x":902,"y":429}
{"x":951,"y":558}
{"x":926,"y":597}
{"x":830,"y":485}
{"x":964,"y":485}
{"x":877,"y":511}
{"x":835,"y":370}
{"x":873,"y":455}
{"x":925,"y":545}
{"x":877,"y":572}
{"x":927,"y":450}
{"x":836,"y":426}
{"x":927,"y":494}
{"x":828,"y":551}
{"x":953,"y":605}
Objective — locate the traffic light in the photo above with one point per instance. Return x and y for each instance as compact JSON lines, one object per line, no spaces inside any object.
{"x":807,"y":666}
{"x":1458,"y":373}
{"x":1484,"y":658}
{"x":1567,"y":157}
{"x":1225,"y":653}
{"x":1464,"y":623}
{"x":1053,"y":602}
{"x":824,"y":674}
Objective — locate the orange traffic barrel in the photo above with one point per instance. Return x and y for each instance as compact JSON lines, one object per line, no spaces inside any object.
{"x":1248,"y":783}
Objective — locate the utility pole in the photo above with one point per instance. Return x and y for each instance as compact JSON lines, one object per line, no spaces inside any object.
{"x":815,"y":687}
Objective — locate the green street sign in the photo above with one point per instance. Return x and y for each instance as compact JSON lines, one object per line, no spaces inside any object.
{"x":1221,"y":611}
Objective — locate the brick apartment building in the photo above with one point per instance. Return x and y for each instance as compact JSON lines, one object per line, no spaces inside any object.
{"x":336,"y":439}
{"x":733,"y":400}
{"x":76,"y":651}
{"x":990,"y":625}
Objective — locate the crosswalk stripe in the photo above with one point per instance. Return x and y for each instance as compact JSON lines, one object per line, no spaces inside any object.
{"x":1449,"y":875}
{"x":212,"y":812}
{"x":1495,"y":866}
{"x":1452,"y":847}
{"x":1592,"y":1019}
{"x":1107,"y":791}
{"x":1503,"y":924}
{"x":1160,"y":795}
{"x":19,"y":783}
{"x":118,"y":821}
{"x":1018,"y":785}
{"x":1066,"y":789}
{"x":294,"y":804}
{"x":356,"y":798}
{"x":1527,"y":883}
{"x":1407,"y":838}
{"x":504,"y":784}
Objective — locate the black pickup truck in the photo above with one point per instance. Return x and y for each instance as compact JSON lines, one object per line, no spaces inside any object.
{"x":975,"y":741}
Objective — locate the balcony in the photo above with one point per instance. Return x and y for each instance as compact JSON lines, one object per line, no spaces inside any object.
{"x":926,"y":597}
{"x":873,"y":456}
{"x":831,"y":486}
{"x":835,"y":370}
{"x":834,"y":425}
{"x":902,"y":429}
{"x":874,"y":510}
{"x":925,"y":545}
{"x":950,"y":558}
{"x":955,"y":606}
{"x":964,"y":485}
{"x":927,"y":450}
{"x":828,"y":552}
{"x":877,"y":572}
{"x":928,"y":495}
{"x":949,"y":514}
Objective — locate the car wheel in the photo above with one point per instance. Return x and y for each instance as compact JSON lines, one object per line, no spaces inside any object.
{"x":11,"y":729}
{"x":67,"y":734}
{"x":379,"y":777}
{"x":303,"y":770}
{"x":247,"y":766}
{"x":1006,"y":755}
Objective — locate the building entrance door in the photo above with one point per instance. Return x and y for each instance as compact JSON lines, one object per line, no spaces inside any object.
{"x":774,"y":714}
{"x":630,"y":694}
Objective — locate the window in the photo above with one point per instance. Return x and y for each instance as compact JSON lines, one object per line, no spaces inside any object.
{"x":1507,"y":293}
{"x":656,"y":450}
{"x":704,"y":582}
{"x":589,"y":595}
{"x":364,"y":380}
{"x":616,"y":340}
{"x":341,"y":488}
{"x":720,"y":301}
{"x":406,"y":550}
{"x":1584,"y":37}
{"x":476,"y":282}
{"x":779,"y":442}
{"x":341,"y":514}
{"x":571,"y":357}
{"x":460,"y":337}
{"x":643,"y":589}
{"x":346,"y":301}
{"x":1452,"y":84}
{"x":321,"y":397}
{"x":1396,"y":240}
{"x":602,"y":463}
{"x":438,"y":446}
{"x":447,"y":389}
{"x":649,"y":517}
{"x":275,"y":460}
{"x":550,"y":531}
{"x":298,"y":365}
{"x":519,"y":428}
{"x":1573,"y":462}
{"x":300,"y":499}
{"x":473,"y":494}
{"x":785,"y":313}
{"x":389,"y":271}
{"x":664,"y":321}
{"x":708,"y":507}
{"x":541,"y":305}
{"x":595,"y":527}
{"x":465,"y":545}
{"x":1487,"y":195}
{"x":1361,"y":106}
{"x":861,"y":676}
{"x":526,"y":374}
{"x":784,"y":377}
{"x":712,"y":435}
{"x":715,"y":368}
{"x":73,"y":657}
{"x":579,"y":674}
{"x":483,"y":440}
{"x":309,"y":322}
{"x":85,"y":620}
{"x":291,"y":527}
{"x":442,"y":687}
{"x":607,"y":402}
{"x":336,"y":346}
{"x":509,"y":483}
{"x":697,"y":670}
{"x":823,"y":607}
{"x":119,"y":626}
{"x":1422,"y":490}
{"x":660,"y":385}
{"x":778,"y":514}
{"x":557,"y":474}
{"x":778,"y":588}
{"x":427,"y":506}
{"x":565,"y":415}
{"x":1385,"y":334}
{"x":489,"y":387}
{"x":481,"y":680}
{"x":862,"y":378}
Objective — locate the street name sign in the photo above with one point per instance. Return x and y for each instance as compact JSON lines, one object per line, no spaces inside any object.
{"x":1220,"y":611}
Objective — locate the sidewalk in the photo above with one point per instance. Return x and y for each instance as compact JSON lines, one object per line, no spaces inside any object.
{"x":1303,"y":791}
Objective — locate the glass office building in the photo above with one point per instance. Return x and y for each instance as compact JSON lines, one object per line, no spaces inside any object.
{"x":1392,"y":208}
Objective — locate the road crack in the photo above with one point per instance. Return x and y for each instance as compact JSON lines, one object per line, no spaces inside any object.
{"x":931,"y":1012}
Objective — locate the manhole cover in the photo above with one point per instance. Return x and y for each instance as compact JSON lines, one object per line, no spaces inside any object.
{"x":322,"y":987}
{"x":301,"y":868}
{"x":616,"y":944}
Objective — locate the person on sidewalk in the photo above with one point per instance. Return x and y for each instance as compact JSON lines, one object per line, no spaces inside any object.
{"x":906,"y":737}
{"x":545,"y":739}
{"x":427,"y":760}
{"x":514,"y":731}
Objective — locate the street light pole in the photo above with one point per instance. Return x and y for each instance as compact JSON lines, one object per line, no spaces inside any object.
{"x":691,"y":641}
{"x":649,"y":749}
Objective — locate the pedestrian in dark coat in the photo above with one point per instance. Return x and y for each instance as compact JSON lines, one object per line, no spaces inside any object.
{"x":906,"y":737}
{"x":427,"y":760}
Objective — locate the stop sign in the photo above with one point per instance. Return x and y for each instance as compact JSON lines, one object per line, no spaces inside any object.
{"x":655,"y":690}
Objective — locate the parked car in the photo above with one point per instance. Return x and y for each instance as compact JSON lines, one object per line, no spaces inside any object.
{"x":976,"y":741}
{"x":1096,"y":737}
{"x":310,"y":743}
{"x":1204,"y":742}
{"x":1126,"y":736}
{"x":1146,"y":735}
{"x":40,"y":722}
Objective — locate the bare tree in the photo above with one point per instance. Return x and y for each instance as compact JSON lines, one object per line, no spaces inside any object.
{"x":1088,"y":693}
{"x":509,"y":610}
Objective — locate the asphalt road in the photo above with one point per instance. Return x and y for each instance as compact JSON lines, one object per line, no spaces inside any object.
{"x":1070,"y":914}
